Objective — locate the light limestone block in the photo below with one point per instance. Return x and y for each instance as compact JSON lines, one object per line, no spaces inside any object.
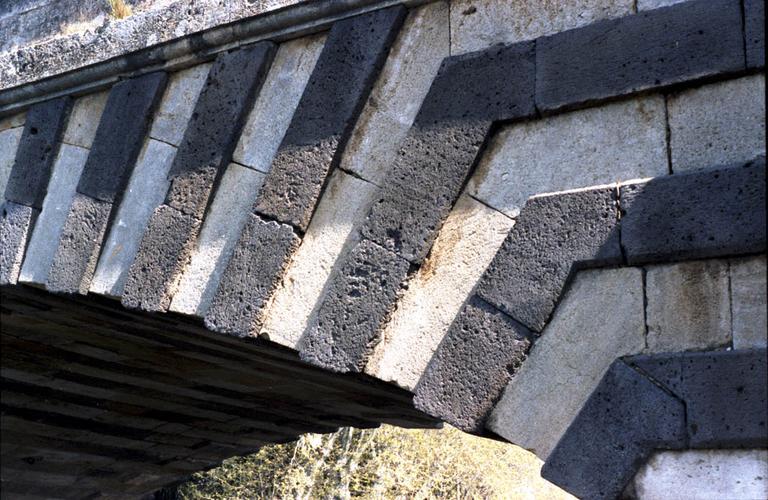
{"x":748,"y":302}
{"x":45,"y":237}
{"x":703,"y":475}
{"x":398,"y":93}
{"x":84,"y":119}
{"x":688,"y":306}
{"x":717,"y":124}
{"x":277,"y":101}
{"x":146,"y":191}
{"x":9,"y":142}
{"x":655,"y":4}
{"x":467,"y":243}
{"x":620,"y":141}
{"x":13,"y":121}
{"x":331,"y":233}
{"x":599,"y":319}
{"x":223,"y":224}
{"x":478,"y":24}
{"x":178,"y":103}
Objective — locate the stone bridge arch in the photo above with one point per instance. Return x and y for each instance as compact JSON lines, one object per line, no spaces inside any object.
{"x":349,"y":214}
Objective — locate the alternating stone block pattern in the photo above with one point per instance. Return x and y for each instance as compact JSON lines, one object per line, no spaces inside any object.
{"x":652,"y":48}
{"x":353,"y":55}
{"x":15,"y":227}
{"x":84,"y":120}
{"x":480,"y":353}
{"x":754,"y":31}
{"x":708,"y":214}
{"x":748,"y":302}
{"x":173,"y":113}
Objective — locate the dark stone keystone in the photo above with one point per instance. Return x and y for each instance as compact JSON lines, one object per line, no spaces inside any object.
{"x":227,"y":97}
{"x":625,"y":419}
{"x":15,"y":229}
{"x":473,"y":364}
{"x":555,"y":235}
{"x":355,"y":308}
{"x":649,"y":49}
{"x":725,"y":394}
{"x":754,"y":30}
{"x":28,"y":181}
{"x":120,"y":136}
{"x":693,"y":216}
{"x":79,"y":246}
{"x":344,"y":74}
{"x":470,"y":92}
{"x":164,"y":251}
{"x":254,"y":271}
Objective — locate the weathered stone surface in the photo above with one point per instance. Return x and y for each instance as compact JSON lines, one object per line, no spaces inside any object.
{"x":467,"y":242}
{"x":651,"y":48}
{"x":48,"y":228}
{"x":354,"y":53}
{"x":9,"y":141}
{"x":36,"y":152}
{"x":144,"y":193}
{"x":13,"y":121}
{"x":468,"y":94}
{"x":220,"y":112}
{"x":175,"y":110}
{"x":277,"y":101}
{"x":474,"y":362}
{"x":164,"y":251}
{"x":476,"y":25}
{"x":84,"y":119}
{"x":625,"y":140}
{"x":405,"y":80}
{"x":251,"y":276}
{"x":328,"y":239}
{"x":79,"y":245}
{"x":569,"y":360}
{"x":624,"y":420}
{"x":748,"y":302}
{"x":120,"y":136}
{"x":655,"y":4}
{"x":360,"y":296}
{"x":555,"y":235}
{"x":15,"y":226}
{"x":707,"y":214}
{"x":688,"y":306}
{"x":717,"y":124}
{"x":223,"y":223}
{"x":754,"y":30}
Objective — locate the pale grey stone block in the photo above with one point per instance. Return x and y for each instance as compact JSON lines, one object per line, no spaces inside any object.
{"x":223,"y":224}
{"x":15,"y":226}
{"x":45,"y":237}
{"x":467,"y":243}
{"x":599,"y":319}
{"x":145,"y":192}
{"x":748,"y":302}
{"x":718,"y":124}
{"x":9,"y":142}
{"x":84,"y":119}
{"x":13,"y":121}
{"x":703,"y":474}
{"x":688,"y":306}
{"x":478,"y":24}
{"x":277,"y":101}
{"x":178,"y":103}
{"x":655,"y":4}
{"x":620,"y":141}
{"x":396,"y":97}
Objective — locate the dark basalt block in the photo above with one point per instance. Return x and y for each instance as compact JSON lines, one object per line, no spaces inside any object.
{"x":625,"y":419}
{"x":28,"y":181}
{"x":692,"y":216}
{"x":554,"y":236}
{"x":473,"y":364}
{"x":16,"y":224}
{"x":79,"y":246}
{"x":164,"y":251}
{"x":227,"y":97}
{"x":355,"y":307}
{"x":754,"y":30}
{"x":254,"y":270}
{"x":120,"y":136}
{"x":657,"y":47}
{"x":344,"y":74}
